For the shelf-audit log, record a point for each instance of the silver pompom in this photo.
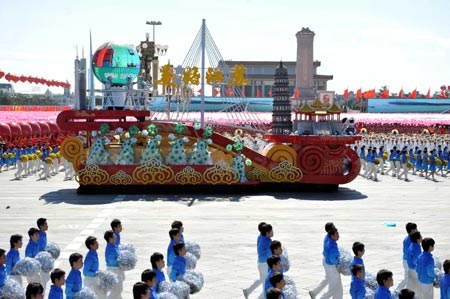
(27, 267)
(285, 263)
(194, 279)
(290, 289)
(179, 289)
(191, 261)
(345, 260)
(84, 293)
(370, 294)
(129, 247)
(54, 250)
(107, 280)
(127, 260)
(166, 295)
(46, 260)
(394, 294)
(194, 248)
(439, 274)
(370, 281)
(437, 263)
(12, 290)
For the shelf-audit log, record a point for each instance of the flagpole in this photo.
(202, 84)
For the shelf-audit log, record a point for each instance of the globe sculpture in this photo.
(117, 61)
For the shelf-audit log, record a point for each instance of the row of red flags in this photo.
(369, 94)
(31, 79)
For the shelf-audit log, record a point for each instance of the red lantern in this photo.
(8, 77)
(54, 129)
(23, 78)
(45, 128)
(2, 74)
(27, 131)
(36, 129)
(5, 132)
(16, 131)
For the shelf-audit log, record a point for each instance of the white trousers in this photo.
(333, 280)
(425, 290)
(262, 268)
(93, 284)
(402, 283)
(116, 292)
(412, 282)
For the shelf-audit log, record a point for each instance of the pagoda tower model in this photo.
(304, 70)
(281, 115)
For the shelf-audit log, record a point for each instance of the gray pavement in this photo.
(226, 226)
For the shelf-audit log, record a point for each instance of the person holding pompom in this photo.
(425, 269)
(444, 284)
(414, 251)
(140, 290)
(179, 264)
(111, 254)
(385, 281)
(357, 288)
(157, 261)
(13, 256)
(358, 250)
(73, 281)
(58, 278)
(274, 294)
(34, 291)
(149, 277)
(32, 250)
(2, 268)
(116, 226)
(179, 225)
(410, 227)
(175, 236)
(331, 260)
(42, 243)
(91, 266)
(277, 280)
(263, 248)
(274, 263)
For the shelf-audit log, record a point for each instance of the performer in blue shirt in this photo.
(357, 288)
(414, 251)
(116, 226)
(111, 254)
(444, 285)
(385, 281)
(91, 267)
(358, 251)
(74, 282)
(58, 279)
(175, 235)
(2, 268)
(13, 256)
(425, 269)
(157, 261)
(179, 264)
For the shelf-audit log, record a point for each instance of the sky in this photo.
(363, 43)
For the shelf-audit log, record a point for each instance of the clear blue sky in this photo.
(365, 43)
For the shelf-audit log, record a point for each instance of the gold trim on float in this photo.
(92, 175)
(188, 176)
(221, 173)
(153, 172)
(120, 178)
(285, 172)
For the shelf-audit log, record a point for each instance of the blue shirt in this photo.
(382, 292)
(55, 292)
(331, 253)
(117, 238)
(267, 284)
(32, 249)
(111, 254)
(445, 286)
(42, 242)
(263, 249)
(12, 257)
(178, 267)
(357, 260)
(2, 276)
(90, 264)
(159, 277)
(406, 243)
(414, 251)
(153, 293)
(425, 268)
(170, 253)
(73, 283)
(357, 289)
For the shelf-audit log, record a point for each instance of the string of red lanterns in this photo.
(31, 79)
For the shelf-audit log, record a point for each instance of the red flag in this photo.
(296, 93)
(216, 91)
(346, 93)
(400, 94)
(229, 92)
(428, 94)
(443, 87)
(384, 94)
(442, 95)
(243, 93)
(199, 91)
(413, 94)
(358, 95)
(2, 74)
(258, 93)
(270, 93)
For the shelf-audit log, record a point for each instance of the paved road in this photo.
(226, 226)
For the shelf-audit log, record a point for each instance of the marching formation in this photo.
(86, 279)
(421, 155)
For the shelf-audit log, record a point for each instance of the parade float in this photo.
(129, 150)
